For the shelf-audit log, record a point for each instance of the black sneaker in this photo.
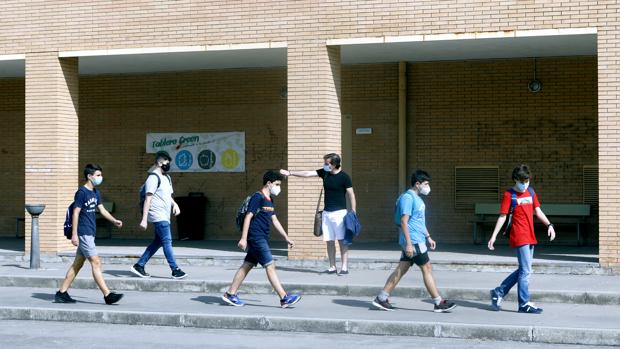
(138, 270)
(112, 298)
(383, 305)
(530, 308)
(63, 297)
(178, 274)
(444, 307)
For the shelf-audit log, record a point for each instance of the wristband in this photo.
(550, 225)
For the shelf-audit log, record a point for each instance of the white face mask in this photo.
(326, 168)
(522, 187)
(275, 190)
(425, 189)
(97, 181)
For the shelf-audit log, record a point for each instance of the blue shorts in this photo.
(259, 253)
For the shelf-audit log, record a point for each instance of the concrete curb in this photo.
(532, 334)
(253, 287)
(354, 263)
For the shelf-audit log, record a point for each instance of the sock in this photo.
(383, 296)
(437, 300)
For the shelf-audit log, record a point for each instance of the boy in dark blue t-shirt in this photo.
(84, 228)
(255, 241)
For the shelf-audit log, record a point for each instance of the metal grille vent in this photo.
(475, 184)
(590, 187)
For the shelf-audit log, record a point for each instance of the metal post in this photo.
(35, 211)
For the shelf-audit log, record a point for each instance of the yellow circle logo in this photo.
(230, 159)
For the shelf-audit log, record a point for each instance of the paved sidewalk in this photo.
(578, 289)
(560, 323)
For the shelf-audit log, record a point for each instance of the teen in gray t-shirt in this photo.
(161, 201)
(158, 204)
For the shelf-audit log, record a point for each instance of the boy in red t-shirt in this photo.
(524, 203)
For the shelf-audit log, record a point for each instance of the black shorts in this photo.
(419, 258)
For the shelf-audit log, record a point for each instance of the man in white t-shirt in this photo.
(158, 203)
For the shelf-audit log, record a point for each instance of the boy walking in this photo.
(158, 203)
(255, 241)
(520, 202)
(410, 217)
(84, 228)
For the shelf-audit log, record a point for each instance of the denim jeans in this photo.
(163, 237)
(521, 276)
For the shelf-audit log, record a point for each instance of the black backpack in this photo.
(243, 210)
(68, 226)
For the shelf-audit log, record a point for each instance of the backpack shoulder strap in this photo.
(158, 179)
(262, 199)
(513, 199)
(532, 193)
(413, 198)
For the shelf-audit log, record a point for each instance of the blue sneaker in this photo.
(530, 308)
(289, 300)
(233, 300)
(496, 300)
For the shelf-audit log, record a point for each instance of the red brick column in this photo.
(51, 143)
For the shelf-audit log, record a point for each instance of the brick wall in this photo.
(118, 110)
(44, 25)
(12, 150)
(471, 113)
(460, 113)
(89, 24)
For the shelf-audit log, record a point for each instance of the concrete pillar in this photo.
(314, 129)
(51, 144)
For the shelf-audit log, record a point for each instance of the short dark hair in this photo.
(271, 176)
(419, 176)
(521, 173)
(90, 169)
(334, 159)
(162, 156)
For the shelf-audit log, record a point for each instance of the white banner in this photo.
(201, 152)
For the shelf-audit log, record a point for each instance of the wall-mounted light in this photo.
(283, 92)
(534, 85)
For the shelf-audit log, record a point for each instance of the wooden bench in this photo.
(558, 214)
(109, 206)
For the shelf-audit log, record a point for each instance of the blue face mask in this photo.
(326, 168)
(97, 181)
(522, 187)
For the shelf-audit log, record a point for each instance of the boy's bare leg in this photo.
(395, 277)
(429, 280)
(74, 269)
(274, 280)
(95, 263)
(240, 275)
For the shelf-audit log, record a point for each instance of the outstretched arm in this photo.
(298, 173)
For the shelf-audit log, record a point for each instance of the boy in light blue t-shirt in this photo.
(413, 237)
